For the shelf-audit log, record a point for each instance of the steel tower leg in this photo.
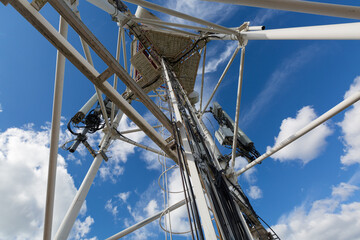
(55, 129)
(196, 182)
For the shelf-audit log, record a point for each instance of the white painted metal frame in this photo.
(325, 32)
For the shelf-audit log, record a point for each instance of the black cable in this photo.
(268, 226)
(193, 47)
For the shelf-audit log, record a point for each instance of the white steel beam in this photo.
(107, 7)
(124, 48)
(181, 15)
(55, 131)
(132, 142)
(202, 79)
(115, 83)
(136, 130)
(45, 28)
(221, 78)
(326, 9)
(344, 31)
(88, 57)
(329, 114)
(237, 112)
(146, 221)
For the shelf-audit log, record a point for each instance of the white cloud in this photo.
(151, 159)
(1, 109)
(249, 175)
(214, 62)
(275, 83)
(255, 192)
(144, 207)
(263, 15)
(328, 218)
(24, 155)
(344, 190)
(152, 208)
(200, 9)
(351, 128)
(83, 228)
(307, 147)
(124, 196)
(109, 206)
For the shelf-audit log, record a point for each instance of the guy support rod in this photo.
(202, 79)
(329, 114)
(221, 78)
(55, 129)
(127, 140)
(241, 70)
(327, 9)
(146, 221)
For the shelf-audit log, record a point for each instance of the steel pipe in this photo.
(237, 112)
(146, 221)
(107, 7)
(202, 79)
(137, 130)
(55, 133)
(221, 78)
(118, 50)
(345, 31)
(329, 114)
(127, 140)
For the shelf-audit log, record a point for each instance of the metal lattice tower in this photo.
(164, 63)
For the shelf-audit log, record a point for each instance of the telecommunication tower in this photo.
(165, 60)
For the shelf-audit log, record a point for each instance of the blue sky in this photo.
(307, 191)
